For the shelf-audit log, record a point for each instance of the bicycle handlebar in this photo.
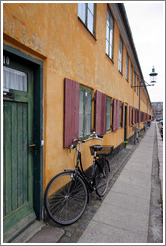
(92, 136)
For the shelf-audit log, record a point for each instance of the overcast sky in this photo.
(147, 23)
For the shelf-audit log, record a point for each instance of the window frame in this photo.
(137, 85)
(108, 41)
(120, 60)
(131, 76)
(110, 115)
(85, 89)
(127, 67)
(135, 81)
(87, 10)
(120, 114)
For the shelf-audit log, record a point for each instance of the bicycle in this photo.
(136, 135)
(67, 194)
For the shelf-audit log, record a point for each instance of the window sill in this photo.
(110, 58)
(87, 28)
(120, 73)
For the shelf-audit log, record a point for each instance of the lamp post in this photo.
(143, 83)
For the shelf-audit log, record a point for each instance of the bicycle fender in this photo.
(69, 170)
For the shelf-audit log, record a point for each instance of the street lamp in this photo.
(153, 76)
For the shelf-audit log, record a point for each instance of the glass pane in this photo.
(108, 18)
(81, 11)
(108, 114)
(107, 32)
(119, 114)
(87, 113)
(87, 124)
(14, 79)
(91, 7)
(107, 47)
(81, 114)
(111, 52)
(90, 22)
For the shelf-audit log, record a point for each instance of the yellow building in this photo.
(69, 69)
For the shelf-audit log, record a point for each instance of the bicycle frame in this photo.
(79, 170)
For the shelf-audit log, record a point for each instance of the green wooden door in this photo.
(125, 124)
(18, 210)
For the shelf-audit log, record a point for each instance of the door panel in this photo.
(125, 124)
(17, 155)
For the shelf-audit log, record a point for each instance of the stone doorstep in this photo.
(29, 232)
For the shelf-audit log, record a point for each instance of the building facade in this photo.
(157, 109)
(68, 71)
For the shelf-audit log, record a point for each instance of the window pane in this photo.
(90, 22)
(127, 61)
(131, 75)
(120, 54)
(111, 52)
(87, 113)
(81, 114)
(13, 79)
(107, 47)
(119, 114)
(107, 32)
(81, 11)
(91, 7)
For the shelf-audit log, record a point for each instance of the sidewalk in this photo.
(124, 214)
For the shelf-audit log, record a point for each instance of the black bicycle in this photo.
(67, 193)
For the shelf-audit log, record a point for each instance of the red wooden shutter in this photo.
(100, 113)
(123, 114)
(133, 120)
(71, 111)
(114, 115)
(130, 115)
(117, 114)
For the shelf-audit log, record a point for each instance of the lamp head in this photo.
(153, 75)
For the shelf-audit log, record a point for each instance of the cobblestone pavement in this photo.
(74, 231)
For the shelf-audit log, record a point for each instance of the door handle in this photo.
(32, 145)
(32, 148)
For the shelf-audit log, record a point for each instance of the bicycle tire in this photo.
(66, 197)
(101, 179)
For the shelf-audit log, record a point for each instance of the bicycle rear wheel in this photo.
(101, 178)
(66, 198)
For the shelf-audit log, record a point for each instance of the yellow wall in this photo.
(53, 33)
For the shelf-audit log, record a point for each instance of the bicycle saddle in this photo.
(97, 147)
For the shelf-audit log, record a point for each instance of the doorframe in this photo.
(38, 126)
(125, 123)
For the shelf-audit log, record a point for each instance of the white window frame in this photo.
(109, 34)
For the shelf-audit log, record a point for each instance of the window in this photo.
(127, 67)
(86, 12)
(85, 102)
(14, 79)
(120, 114)
(108, 114)
(77, 111)
(137, 85)
(134, 81)
(131, 76)
(120, 54)
(109, 34)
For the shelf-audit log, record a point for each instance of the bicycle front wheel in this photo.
(101, 178)
(66, 198)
